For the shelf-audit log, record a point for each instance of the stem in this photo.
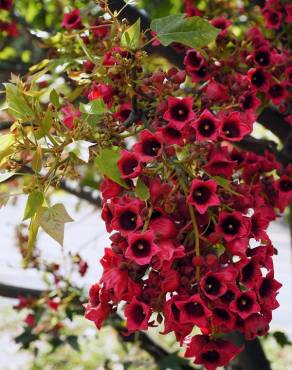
(195, 226)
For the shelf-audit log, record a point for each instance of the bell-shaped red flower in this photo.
(141, 247)
(203, 195)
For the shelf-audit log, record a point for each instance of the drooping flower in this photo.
(72, 20)
(203, 195)
(179, 111)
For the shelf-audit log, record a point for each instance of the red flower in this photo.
(211, 353)
(127, 217)
(98, 30)
(109, 189)
(249, 101)
(194, 60)
(149, 146)
(138, 315)
(288, 9)
(193, 310)
(203, 195)
(72, 20)
(9, 27)
(219, 163)
(223, 319)
(273, 18)
(232, 225)
(6, 4)
(206, 126)
(123, 112)
(267, 291)
(129, 165)
(216, 91)
(277, 93)
(30, 320)
(103, 91)
(70, 114)
(141, 247)
(172, 134)
(213, 284)
(245, 304)
(259, 78)
(179, 111)
(222, 23)
(232, 128)
(201, 74)
(97, 310)
(263, 57)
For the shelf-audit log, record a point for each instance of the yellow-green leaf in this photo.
(36, 162)
(131, 36)
(33, 204)
(142, 190)
(53, 220)
(17, 104)
(6, 142)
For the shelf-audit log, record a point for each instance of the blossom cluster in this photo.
(188, 216)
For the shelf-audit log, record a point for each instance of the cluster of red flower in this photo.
(196, 251)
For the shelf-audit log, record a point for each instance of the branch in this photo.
(258, 146)
(272, 120)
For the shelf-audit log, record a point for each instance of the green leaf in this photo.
(5, 175)
(33, 204)
(95, 106)
(142, 190)
(17, 103)
(80, 149)
(37, 158)
(54, 98)
(32, 236)
(6, 142)
(194, 32)
(73, 342)
(45, 125)
(131, 36)
(281, 338)
(107, 165)
(226, 185)
(53, 220)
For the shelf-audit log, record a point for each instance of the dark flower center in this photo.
(263, 58)
(247, 102)
(206, 127)
(286, 185)
(276, 91)
(129, 166)
(151, 147)
(141, 248)
(173, 132)
(201, 194)
(202, 72)
(274, 17)
(265, 288)
(222, 314)
(124, 113)
(231, 129)
(230, 225)
(248, 272)
(175, 311)
(258, 78)
(244, 303)
(210, 356)
(179, 112)
(73, 19)
(228, 296)
(138, 314)
(194, 59)
(194, 309)
(212, 285)
(128, 220)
